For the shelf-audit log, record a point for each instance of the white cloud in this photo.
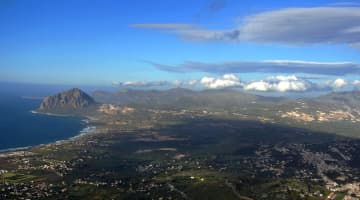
(279, 84)
(283, 78)
(227, 80)
(192, 82)
(262, 86)
(356, 82)
(337, 83)
(274, 83)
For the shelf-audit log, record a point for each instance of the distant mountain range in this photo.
(351, 98)
(76, 99)
(185, 98)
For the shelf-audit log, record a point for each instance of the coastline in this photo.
(85, 131)
(9, 150)
(51, 114)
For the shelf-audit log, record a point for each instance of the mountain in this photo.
(345, 99)
(183, 98)
(69, 101)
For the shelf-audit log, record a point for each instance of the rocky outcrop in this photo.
(70, 100)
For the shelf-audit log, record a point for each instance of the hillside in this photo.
(183, 98)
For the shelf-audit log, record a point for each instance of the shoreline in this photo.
(51, 114)
(83, 132)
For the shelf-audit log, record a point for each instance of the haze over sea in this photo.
(19, 127)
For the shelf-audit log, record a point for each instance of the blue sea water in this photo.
(19, 127)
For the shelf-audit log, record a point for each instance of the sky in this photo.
(254, 45)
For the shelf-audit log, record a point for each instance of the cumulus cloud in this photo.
(226, 81)
(319, 25)
(356, 83)
(289, 83)
(337, 83)
(267, 66)
(280, 84)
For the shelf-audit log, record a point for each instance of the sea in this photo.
(20, 127)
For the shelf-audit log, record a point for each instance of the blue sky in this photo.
(101, 42)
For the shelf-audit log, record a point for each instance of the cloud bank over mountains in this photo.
(292, 26)
(227, 80)
(281, 83)
(337, 83)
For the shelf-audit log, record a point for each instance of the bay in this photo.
(19, 127)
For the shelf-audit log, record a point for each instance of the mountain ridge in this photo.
(181, 95)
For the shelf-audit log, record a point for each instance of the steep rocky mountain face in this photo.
(70, 100)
